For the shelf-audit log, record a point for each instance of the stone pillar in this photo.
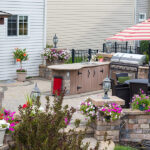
(107, 130)
(143, 72)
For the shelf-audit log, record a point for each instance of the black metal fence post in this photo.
(73, 55)
(130, 50)
(126, 47)
(103, 47)
(115, 47)
(89, 54)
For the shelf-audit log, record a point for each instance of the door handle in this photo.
(78, 88)
(79, 73)
(101, 84)
(102, 71)
(88, 73)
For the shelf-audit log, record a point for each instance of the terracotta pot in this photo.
(21, 76)
(2, 134)
(101, 59)
(8, 138)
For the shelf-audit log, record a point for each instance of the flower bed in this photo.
(52, 55)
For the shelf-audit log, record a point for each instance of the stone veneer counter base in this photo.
(80, 77)
(98, 100)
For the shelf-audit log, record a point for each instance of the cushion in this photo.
(123, 79)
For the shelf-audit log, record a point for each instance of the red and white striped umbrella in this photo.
(140, 31)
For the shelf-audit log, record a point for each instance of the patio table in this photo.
(144, 81)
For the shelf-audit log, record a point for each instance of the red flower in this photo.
(24, 106)
(1, 116)
(18, 60)
(24, 54)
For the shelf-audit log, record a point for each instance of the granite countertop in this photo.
(77, 66)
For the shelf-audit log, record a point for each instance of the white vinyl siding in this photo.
(143, 6)
(34, 42)
(86, 24)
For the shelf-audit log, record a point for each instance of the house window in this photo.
(12, 26)
(142, 17)
(23, 25)
(17, 25)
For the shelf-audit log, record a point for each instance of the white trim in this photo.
(144, 14)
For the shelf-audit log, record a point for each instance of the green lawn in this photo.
(118, 147)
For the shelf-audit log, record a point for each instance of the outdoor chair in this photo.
(135, 88)
(122, 91)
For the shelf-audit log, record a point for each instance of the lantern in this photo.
(106, 87)
(55, 41)
(35, 92)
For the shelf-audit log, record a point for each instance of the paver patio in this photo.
(15, 93)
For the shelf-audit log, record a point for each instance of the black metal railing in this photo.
(122, 48)
(82, 55)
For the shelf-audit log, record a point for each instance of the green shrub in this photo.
(144, 46)
(45, 130)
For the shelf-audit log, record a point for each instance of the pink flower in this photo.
(66, 121)
(11, 129)
(12, 124)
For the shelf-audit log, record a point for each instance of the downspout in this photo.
(45, 21)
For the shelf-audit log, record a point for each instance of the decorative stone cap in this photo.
(133, 112)
(98, 100)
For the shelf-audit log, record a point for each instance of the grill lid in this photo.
(126, 58)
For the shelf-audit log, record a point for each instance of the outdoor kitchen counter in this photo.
(77, 66)
(79, 77)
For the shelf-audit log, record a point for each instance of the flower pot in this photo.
(141, 108)
(101, 59)
(8, 138)
(2, 134)
(21, 76)
(48, 63)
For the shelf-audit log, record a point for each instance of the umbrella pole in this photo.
(149, 64)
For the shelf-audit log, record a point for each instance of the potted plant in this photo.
(141, 102)
(55, 56)
(110, 112)
(100, 58)
(10, 119)
(3, 126)
(20, 55)
(88, 109)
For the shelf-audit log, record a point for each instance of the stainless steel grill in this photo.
(123, 62)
